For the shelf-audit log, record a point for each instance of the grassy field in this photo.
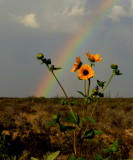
(24, 131)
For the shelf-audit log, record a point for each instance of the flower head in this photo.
(85, 72)
(77, 64)
(94, 58)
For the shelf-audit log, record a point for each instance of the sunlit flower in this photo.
(77, 64)
(85, 72)
(94, 58)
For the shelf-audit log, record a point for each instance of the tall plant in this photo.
(85, 72)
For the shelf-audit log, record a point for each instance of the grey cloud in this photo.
(125, 10)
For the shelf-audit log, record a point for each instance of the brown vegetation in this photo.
(23, 124)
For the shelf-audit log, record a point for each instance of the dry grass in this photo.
(23, 122)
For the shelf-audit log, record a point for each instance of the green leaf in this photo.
(72, 158)
(99, 157)
(100, 83)
(32, 158)
(108, 158)
(51, 122)
(114, 149)
(53, 155)
(64, 102)
(89, 134)
(81, 93)
(90, 120)
(57, 68)
(68, 119)
(72, 117)
(107, 150)
(115, 146)
(62, 128)
(70, 128)
(88, 100)
(80, 159)
(73, 103)
(97, 132)
(79, 119)
(51, 68)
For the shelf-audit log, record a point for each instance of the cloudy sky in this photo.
(28, 27)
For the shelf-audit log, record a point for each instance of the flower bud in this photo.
(101, 94)
(55, 117)
(114, 66)
(117, 72)
(40, 56)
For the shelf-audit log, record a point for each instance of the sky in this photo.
(30, 27)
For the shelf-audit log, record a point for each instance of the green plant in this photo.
(83, 126)
(52, 156)
(111, 150)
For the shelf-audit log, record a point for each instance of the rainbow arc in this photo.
(72, 47)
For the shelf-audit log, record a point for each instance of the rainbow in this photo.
(73, 46)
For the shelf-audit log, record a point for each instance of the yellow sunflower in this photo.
(94, 58)
(77, 65)
(85, 72)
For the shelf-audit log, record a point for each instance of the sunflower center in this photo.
(85, 72)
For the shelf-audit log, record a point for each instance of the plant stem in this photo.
(80, 133)
(88, 89)
(69, 106)
(68, 140)
(66, 137)
(94, 107)
(74, 144)
(85, 87)
(61, 86)
(113, 74)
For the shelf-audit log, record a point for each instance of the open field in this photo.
(24, 131)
